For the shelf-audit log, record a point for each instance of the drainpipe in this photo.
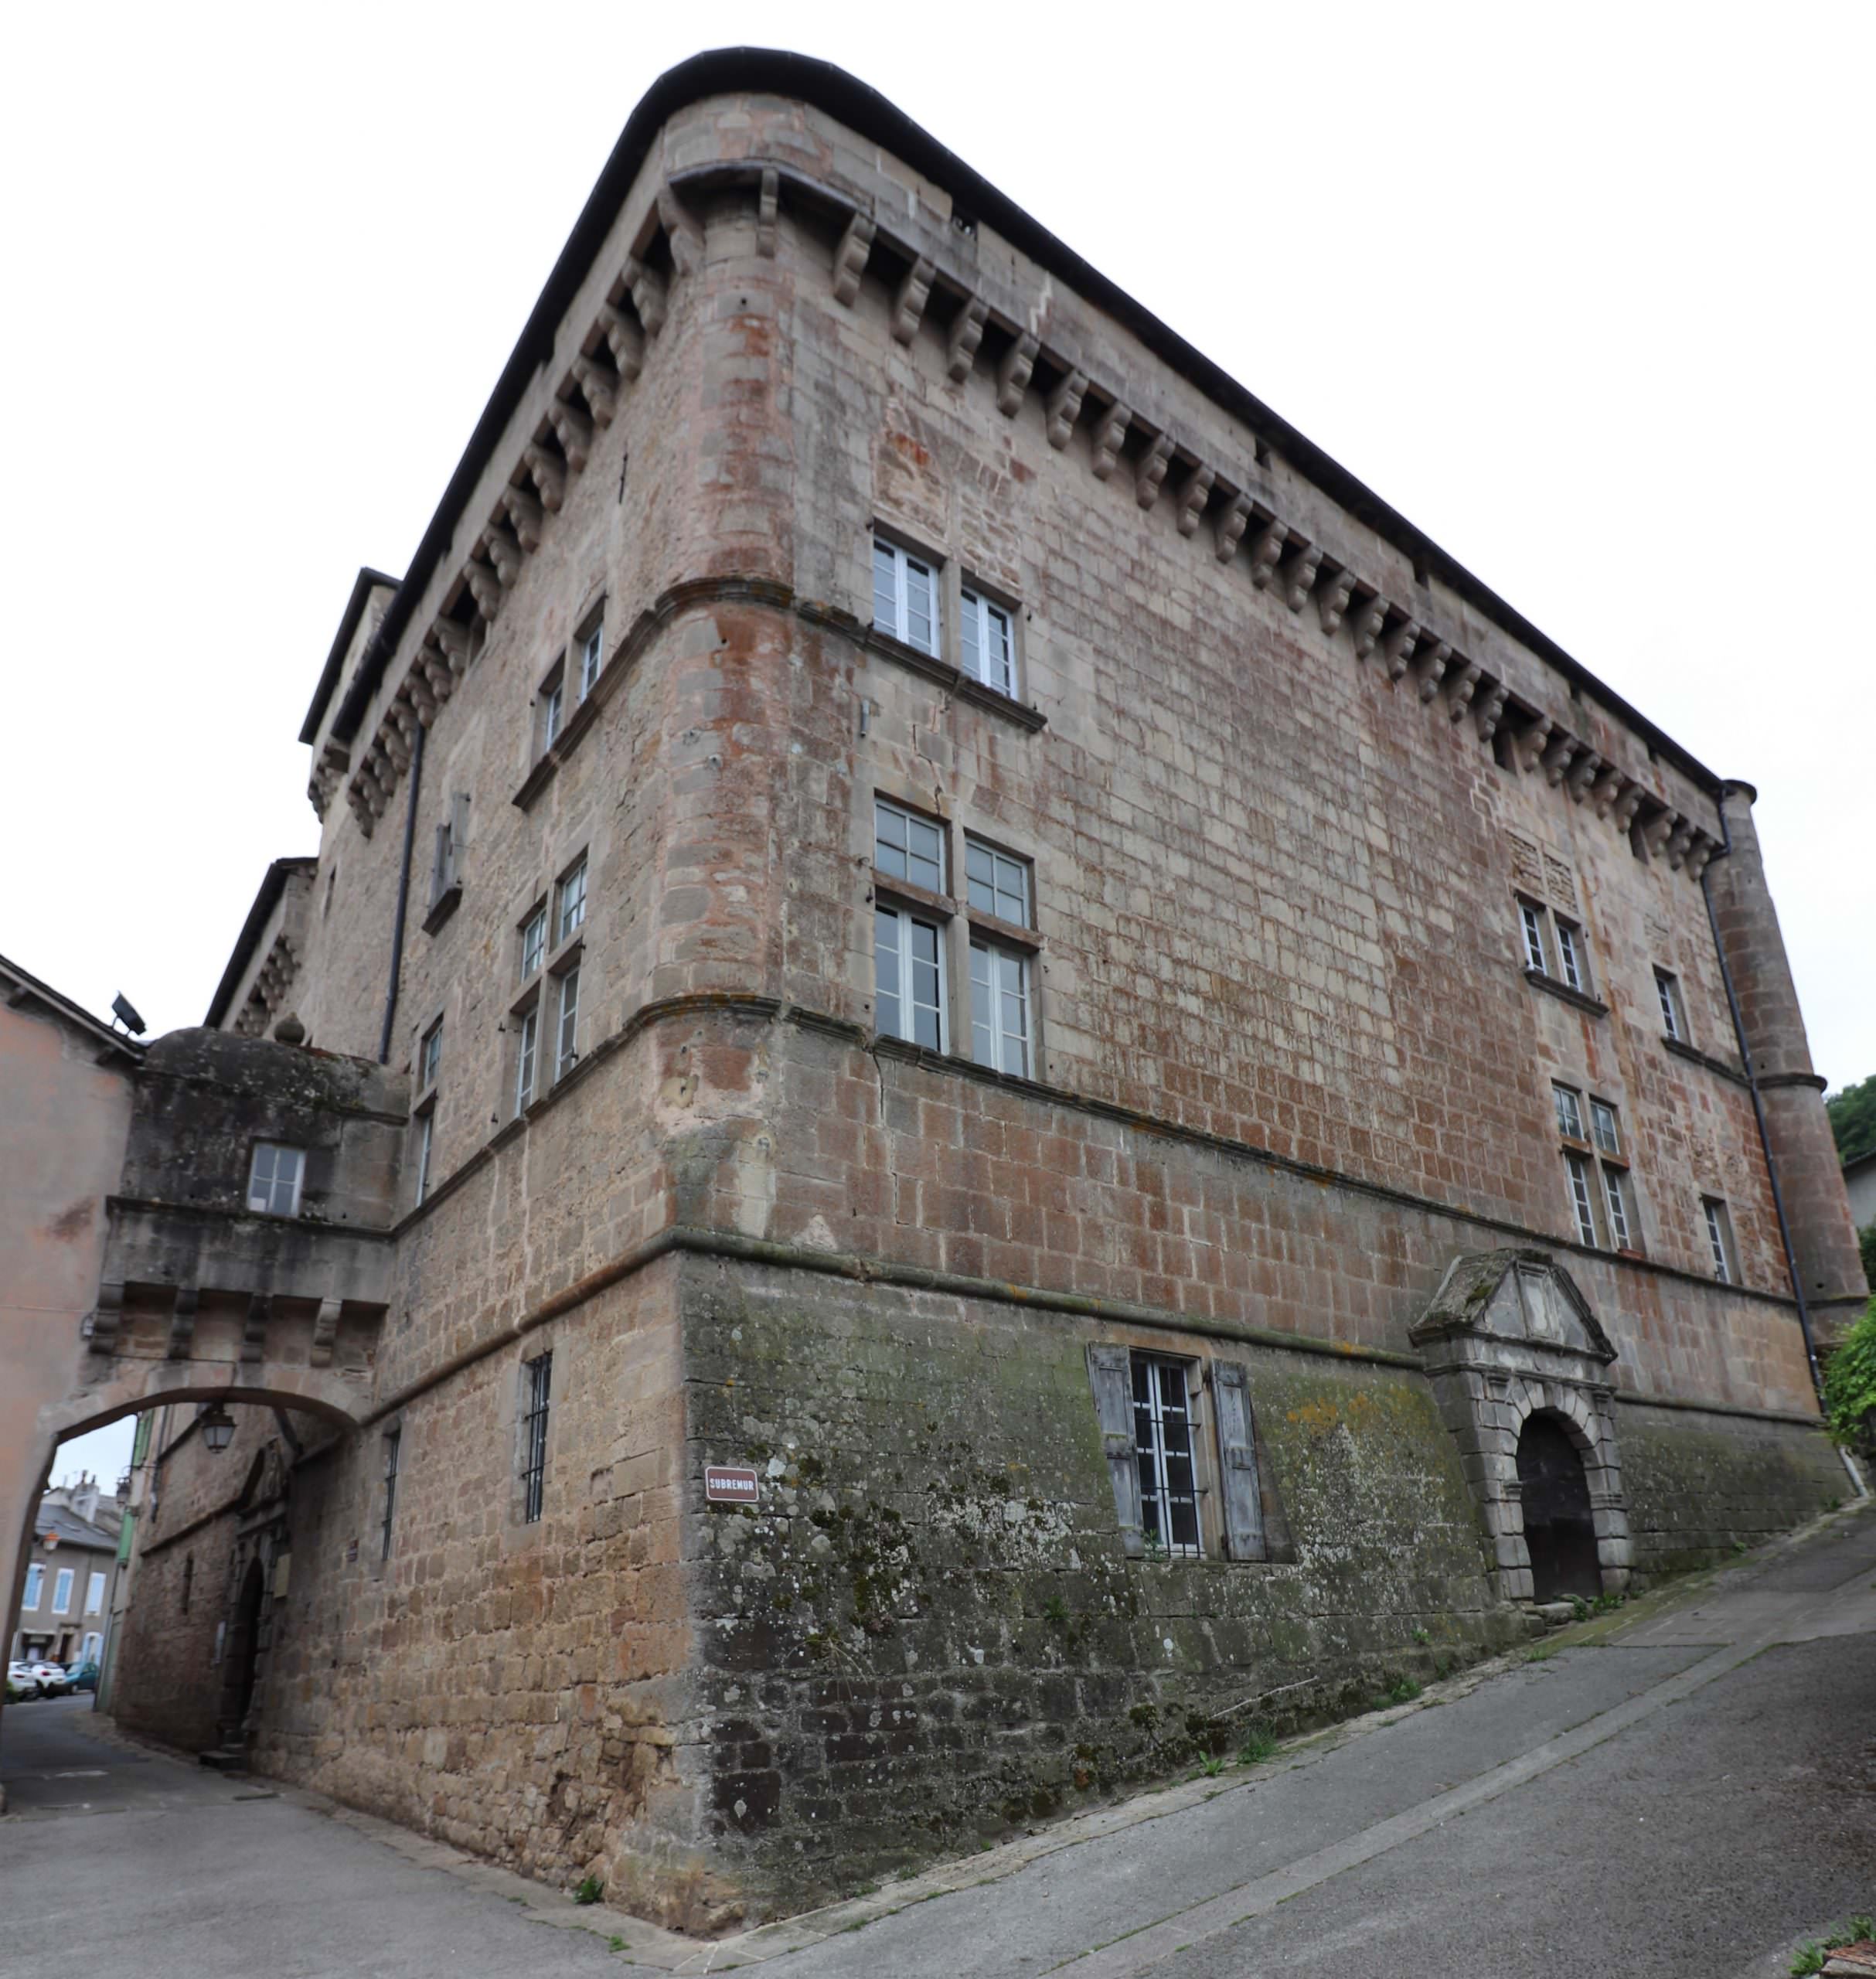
(403, 901)
(1758, 1109)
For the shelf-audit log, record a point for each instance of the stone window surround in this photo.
(1487, 1380)
(1531, 910)
(1599, 1160)
(958, 921)
(951, 576)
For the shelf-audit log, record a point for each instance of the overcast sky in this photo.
(1585, 294)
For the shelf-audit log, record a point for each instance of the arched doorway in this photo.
(1560, 1530)
(241, 1656)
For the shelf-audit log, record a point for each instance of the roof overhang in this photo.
(863, 110)
(363, 585)
(272, 887)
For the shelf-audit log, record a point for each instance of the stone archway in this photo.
(1560, 1534)
(1508, 1336)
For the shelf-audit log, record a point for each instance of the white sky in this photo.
(1585, 295)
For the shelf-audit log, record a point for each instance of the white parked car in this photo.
(50, 1678)
(20, 1676)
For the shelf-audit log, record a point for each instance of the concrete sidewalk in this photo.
(1689, 1786)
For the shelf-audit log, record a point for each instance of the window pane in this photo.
(970, 642)
(924, 985)
(983, 1031)
(998, 671)
(573, 901)
(1013, 889)
(886, 938)
(591, 649)
(1580, 1199)
(925, 854)
(1569, 1116)
(533, 942)
(1604, 1119)
(524, 1068)
(1567, 949)
(569, 1021)
(885, 588)
(1533, 935)
(1012, 975)
(920, 608)
(980, 876)
(551, 720)
(1618, 1209)
(888, 824)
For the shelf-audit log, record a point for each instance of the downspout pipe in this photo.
(403, 899)
(1758, 1109)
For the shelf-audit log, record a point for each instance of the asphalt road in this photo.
(1695, 1795)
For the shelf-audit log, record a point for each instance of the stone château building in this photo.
(918, 896)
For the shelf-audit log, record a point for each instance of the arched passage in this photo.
(1560, 1532)
(242, 1655)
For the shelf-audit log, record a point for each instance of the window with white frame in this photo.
(527, 1051)
(1162, 1436)
(533, 942)
(1572, 955)
(569, 910)
(1530, 924)
(94, 1594)
(1673, 1013)
(552, 702)
(567, 1025)
(1720, 1240)
(426, 1141)
(1595, 1167)
(274, 1175)
(986, 646)
(905, 847)
(62, 1591)
(591, 645)
(997, 883)
(909, 976)
(429, 1057)
(999, 1007)
(35, 1587)
(905, 598)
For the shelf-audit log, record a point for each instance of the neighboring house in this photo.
(1860, 1186)
(71, 1567)
(978, 1072)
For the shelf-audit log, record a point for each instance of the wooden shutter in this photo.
(1110, 1370)
(1238, 1487)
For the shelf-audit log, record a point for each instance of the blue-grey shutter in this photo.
(1110, 1370)
(1244, 1503)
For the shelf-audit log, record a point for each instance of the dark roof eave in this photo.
(362, 586)
(871, 116)
(271, 887)
(75, 1014)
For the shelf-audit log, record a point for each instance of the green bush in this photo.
(1849, 1381)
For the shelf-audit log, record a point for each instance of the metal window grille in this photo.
(573, 902)
(996, 883)
(566, 1044)
(904, 596)
(1569, 949)
(909, 980)
(533, 941)
(525, 1056)
(391, 1446)
(905, 847)
(984, 644)
(1163, 1435)
(534, 1436)
(999, 1009)
(1569, 1114)
(1531, 919)
(1581, 1200)
(275, 1177)
(1716, 1240)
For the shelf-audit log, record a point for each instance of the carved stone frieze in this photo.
(1368, 618)
(525, 512)
(1397, 644)
(1430, 668)
(504, 549)
(599, 388)
(1194, 492)
(851, 256)
(550, 473)
(965, 334)
(1110, 439)
(1152, 470)
(1063, 407)
(484, 587)
(1332, 597)
(574, 431)
(650, 296)
(1490, 710)
(625, 341)
(681, 231)
(1234, 518)
(1266, 547)
(1014, 373)
(1461, 684)
(1299, 575)
(1559, 753)
(909, 305)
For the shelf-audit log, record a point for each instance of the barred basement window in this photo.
(1163, 1431)
(391, 1444)
(538, 1377)
(1720, 1240)
(905, 596)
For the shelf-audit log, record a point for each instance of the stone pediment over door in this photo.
(1509, 1335)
